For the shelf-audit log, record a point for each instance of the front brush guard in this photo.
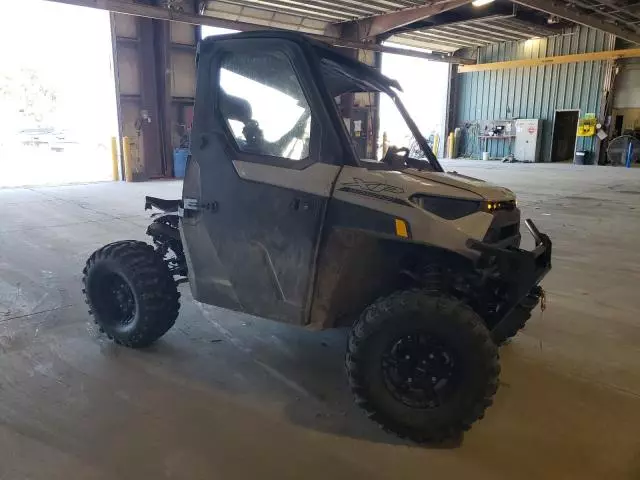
(521, 270)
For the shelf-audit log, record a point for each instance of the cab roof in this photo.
(342, 73)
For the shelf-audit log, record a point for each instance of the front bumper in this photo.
(521, 270)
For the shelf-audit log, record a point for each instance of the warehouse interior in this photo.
(541, 97)
(483, 103)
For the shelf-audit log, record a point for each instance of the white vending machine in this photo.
(528, 135)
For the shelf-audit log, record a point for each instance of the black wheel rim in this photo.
(419, 370)
(118, 304)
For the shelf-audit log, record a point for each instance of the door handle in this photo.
(194, 205)
(210, 207)
(298, 204)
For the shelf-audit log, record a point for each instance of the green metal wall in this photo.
(533, 92)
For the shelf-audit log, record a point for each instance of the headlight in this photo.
(447, 207)
(491, 207)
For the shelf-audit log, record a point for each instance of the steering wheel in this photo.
(394, 158)
(253, 136)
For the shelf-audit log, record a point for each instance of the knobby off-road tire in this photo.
(408, 339)
(131, 293)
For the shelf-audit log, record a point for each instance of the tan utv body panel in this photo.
(424, 226)
(375, 189)
(316, 179)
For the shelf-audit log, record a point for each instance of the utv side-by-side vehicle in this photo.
(281, 218)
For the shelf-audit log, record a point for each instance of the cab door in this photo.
(261, 173)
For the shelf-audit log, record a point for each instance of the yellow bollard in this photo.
(128, 161)
(114, 159)
(436, 144)
(453, 145)
(385, 143)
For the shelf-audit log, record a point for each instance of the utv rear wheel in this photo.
(424, 367)
(131, 293)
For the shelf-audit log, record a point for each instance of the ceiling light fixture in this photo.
(480, 3)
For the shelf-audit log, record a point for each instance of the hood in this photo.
(486, 190)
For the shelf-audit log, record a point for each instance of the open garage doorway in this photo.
(565, 127)
(57, 94)
(424, 93)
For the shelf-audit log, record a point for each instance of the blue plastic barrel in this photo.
(180, 156)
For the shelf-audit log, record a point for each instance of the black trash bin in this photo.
(581, 157)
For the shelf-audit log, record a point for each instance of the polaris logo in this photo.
(375, 187)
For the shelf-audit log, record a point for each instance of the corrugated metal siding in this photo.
(534, 92)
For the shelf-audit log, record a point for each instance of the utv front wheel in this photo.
(424, 367)
(131, 293)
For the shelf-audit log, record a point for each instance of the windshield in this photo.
(377, 122)
(394, 135)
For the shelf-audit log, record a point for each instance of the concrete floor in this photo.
(225, 396)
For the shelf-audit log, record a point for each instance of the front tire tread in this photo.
(373, 321)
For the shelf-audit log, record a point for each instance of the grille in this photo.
(505, 225)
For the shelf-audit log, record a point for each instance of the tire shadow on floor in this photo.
(275, 364)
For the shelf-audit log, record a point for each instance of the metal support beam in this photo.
(152, 133)
(163, 13)
(163, 49)
(537, 62)
(436, 57)
(439, 39)
(477, 33)
(460, 37)
(624, 12)
(498, 33)
(563, 10)
(371, 27)
(616, 19)
(515, 25)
